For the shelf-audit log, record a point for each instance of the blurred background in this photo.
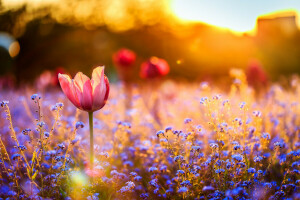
(201, 40)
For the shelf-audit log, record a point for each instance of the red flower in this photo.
(124, 58)
(154, 67)
(256, 75)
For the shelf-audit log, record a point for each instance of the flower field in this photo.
(201, 143)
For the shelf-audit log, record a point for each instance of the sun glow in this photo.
(237, 16)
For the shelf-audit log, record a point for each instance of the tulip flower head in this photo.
(154, 67)
(124, 58)
(86, 94)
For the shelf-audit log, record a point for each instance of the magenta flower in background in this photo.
(154, 67)
(124, 58)
(256, 75)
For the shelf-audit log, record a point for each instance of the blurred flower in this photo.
(124, 58)
(154, 67)
(169, 90)
(251, 170)
(7, 82)
(182, 190)
(95, 171)
(48, 78)
(4, 103)
(124, 61)
(79, 125)
(256, 75)
(44, 80)
(85, 94)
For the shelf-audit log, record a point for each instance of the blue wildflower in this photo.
(186, 183)
(257, 159)
(169, 128)
(161, 132)
(128, 163)
(4, 103)
(22, 147)
(170, 190)
(61, 146)
(182, 190)
(26, 131)
(251, 170)
(279, 144)
(187, 120)
(237, 157)
(237, 147)
(79, 125)
(214, 145)
(130, 184)
(220, 171)
(180, 172)
(208, 188)
(242, 105)
(266, 136)
(35, 96)
(46, 134)
(163, 168)
(153, 183)
(41, 124)
(178, 158)
(196, 148)
(144, 195)
(15, 156)
(152, 169)
(138, 178)
(133, 174)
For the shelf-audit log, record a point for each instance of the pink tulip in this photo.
(154, 67)
(85, 94)
(88, 95)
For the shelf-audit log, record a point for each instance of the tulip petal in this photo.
(100, 89)
(107, 88)
(84, 90)
(68, 88)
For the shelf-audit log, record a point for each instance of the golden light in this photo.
(237, 16)
(79, 179)
(179, 61)
(33, 3)
(14, 49)
(184, 13)
(9, 43)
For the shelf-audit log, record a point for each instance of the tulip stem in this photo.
(91, 140)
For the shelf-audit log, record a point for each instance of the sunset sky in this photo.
(236, 15)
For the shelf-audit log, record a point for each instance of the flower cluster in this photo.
(210, 145)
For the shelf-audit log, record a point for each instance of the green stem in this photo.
(91, 140)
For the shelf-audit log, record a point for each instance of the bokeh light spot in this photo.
(14, 49)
